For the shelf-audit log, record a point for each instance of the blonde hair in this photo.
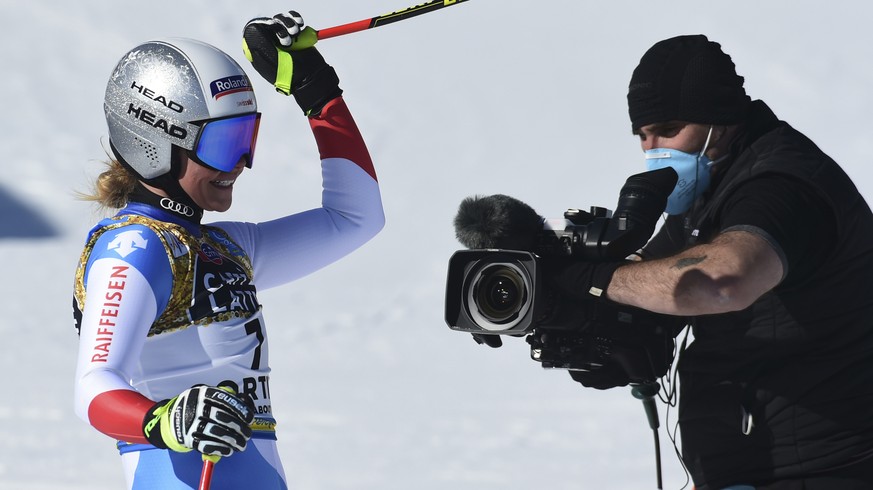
(113, 187)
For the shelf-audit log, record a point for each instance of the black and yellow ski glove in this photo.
(282, 51)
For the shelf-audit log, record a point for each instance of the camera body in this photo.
(497, 291)
(505, 292)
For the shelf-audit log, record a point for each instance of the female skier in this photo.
(172, 357)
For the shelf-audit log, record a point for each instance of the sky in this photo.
(371, 389)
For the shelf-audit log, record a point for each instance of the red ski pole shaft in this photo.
(381, 20)
(206, 472)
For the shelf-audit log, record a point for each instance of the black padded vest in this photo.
(784, 388)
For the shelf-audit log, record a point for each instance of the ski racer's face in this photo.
(210, 189)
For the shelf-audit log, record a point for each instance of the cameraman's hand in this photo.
(580, 279)
(211, 420)
(282, 51)
(609, 376)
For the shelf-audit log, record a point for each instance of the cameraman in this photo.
(768, 250)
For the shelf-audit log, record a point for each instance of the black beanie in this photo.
(686, 78)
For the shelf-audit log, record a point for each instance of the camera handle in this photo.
(647, 392)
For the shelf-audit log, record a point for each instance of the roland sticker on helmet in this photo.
(229, 85)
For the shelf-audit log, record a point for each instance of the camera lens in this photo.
(500, 293)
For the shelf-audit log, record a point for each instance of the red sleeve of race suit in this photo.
(338, 136)
(119, 414)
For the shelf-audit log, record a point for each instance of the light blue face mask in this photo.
(693, 170)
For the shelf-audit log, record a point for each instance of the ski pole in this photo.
(380, 20)
(206, 472)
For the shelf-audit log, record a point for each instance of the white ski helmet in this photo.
(159, 89)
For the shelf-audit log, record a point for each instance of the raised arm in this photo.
(282, 250)
(293, 246)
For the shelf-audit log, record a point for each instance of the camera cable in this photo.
(647, 392)
(670, 397)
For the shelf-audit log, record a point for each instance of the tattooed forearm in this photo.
(688, 262)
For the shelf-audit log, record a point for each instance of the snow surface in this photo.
(372, 390)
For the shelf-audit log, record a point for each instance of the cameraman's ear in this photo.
(489, 340)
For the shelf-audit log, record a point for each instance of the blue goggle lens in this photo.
(223, 142)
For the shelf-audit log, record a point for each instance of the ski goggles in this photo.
(222, 142)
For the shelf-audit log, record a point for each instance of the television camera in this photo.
(501, 284)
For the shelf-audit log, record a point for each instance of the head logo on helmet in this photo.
(160, 93)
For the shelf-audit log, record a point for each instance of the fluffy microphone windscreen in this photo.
(497, 221)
